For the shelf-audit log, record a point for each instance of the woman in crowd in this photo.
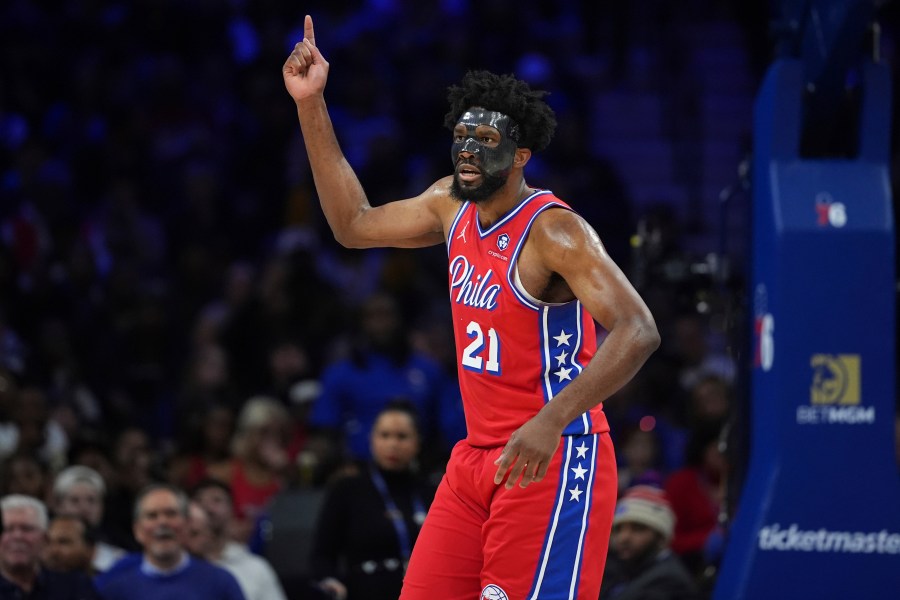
(206, 441)
(259, 465)
(370, 520)
(696, 493)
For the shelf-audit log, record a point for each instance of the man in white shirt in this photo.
(210, 513)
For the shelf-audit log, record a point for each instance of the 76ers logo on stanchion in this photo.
(493, 592)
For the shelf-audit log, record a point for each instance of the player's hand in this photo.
(528, 452)
(305, 71)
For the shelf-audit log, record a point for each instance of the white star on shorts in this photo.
(582, 450)
(579, 471)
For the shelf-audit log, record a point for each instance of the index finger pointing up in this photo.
(308, 31)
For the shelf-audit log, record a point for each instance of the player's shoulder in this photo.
(560, 235)
(440, 198)
(439, 191)
(559, 219)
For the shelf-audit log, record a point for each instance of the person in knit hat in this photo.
(640, 564)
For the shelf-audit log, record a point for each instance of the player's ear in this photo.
(521, 158)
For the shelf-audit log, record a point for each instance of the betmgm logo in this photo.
(834, 392)
(835, 379)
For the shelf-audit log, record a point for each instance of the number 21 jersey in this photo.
(514, 352)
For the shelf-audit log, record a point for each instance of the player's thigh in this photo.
(549, 540)
(446, 561)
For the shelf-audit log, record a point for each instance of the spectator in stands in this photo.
(133, 461)
(708, 406)
(260, 461)
(70, 545)
(709, 403)
(640, 565)
(91, 449)
(211, 513)
(33, 430)
(369, 521)
(640, 458)
(24, 473)
(698, 355)
(695, 493)
(206, 440)
(433, 336)
(21, 545)
(288, 366)
(79, 491)
(199, 534)
(165, 569)
(207, 381)
(382, 366)
(293, 381)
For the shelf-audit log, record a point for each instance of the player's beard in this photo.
(490, 184)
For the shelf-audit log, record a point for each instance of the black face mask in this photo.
(495, 163)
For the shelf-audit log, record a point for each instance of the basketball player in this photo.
(526, 505)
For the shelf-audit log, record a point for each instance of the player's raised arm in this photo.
(355, 223)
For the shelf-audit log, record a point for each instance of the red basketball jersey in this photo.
(514, 352)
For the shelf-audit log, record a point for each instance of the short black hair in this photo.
(403, 405)
(150, 488)
(510, 96)
(210, 482)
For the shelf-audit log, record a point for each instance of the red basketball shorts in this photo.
(547, 541)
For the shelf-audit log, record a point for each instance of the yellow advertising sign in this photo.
(835, 379)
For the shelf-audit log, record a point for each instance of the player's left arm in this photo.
(563, 244)
(569, 247)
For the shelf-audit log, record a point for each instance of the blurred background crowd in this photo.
(173, 307)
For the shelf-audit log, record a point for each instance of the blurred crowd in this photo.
(174, 310)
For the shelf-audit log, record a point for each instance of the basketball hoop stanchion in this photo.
(819, 512)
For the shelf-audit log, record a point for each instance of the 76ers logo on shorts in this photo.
(493, 592)
(503, 241)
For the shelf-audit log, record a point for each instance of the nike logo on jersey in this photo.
(473, 289)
